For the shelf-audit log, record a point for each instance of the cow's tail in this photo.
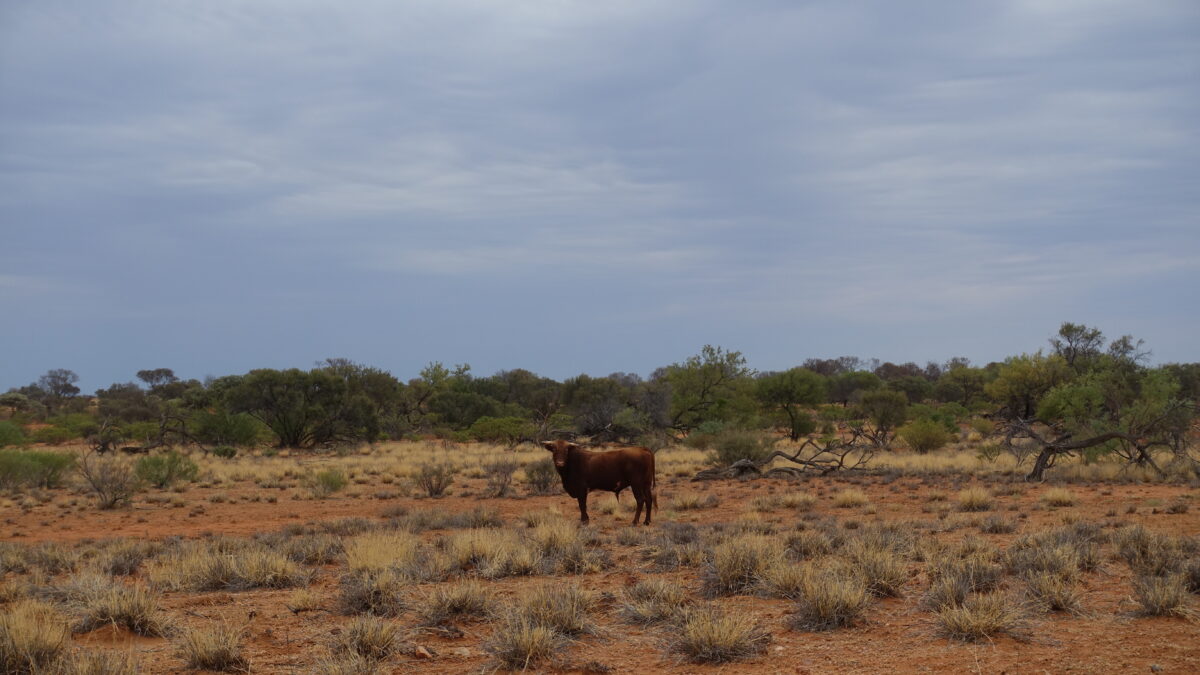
(653, 483)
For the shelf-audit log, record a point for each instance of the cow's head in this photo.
(560, 450)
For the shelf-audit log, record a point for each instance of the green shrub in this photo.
(53, 435)
(223, 428)
(327, 482)
(78, 424)
(924, 435)
(10, 434)
(734, 445)
(33, 468)
(166, 469)
(507, 431)
(225, 451)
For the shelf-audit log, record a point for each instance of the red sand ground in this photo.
(897, 637)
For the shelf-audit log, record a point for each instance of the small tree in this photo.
(885, 410)
(707, 386)
(785, 393)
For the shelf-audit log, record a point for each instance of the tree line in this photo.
(1083, 394)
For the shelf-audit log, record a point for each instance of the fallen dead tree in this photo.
(824, 456)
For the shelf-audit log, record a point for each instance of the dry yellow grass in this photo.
(217, 646)
(33, 635)
(850, 498)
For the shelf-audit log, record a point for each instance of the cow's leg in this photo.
(583, 517)
(640, 499)
(649, 502)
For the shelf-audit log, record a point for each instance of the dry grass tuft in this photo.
(975, 499)
(1054, 592)
(563, 609)
(885, 571)
(1149, 553)
(226, 565)
(305, 600)
(850, 498)
(345, 664)
(709, 635)
(831, 596)
(519, 642)
(104, 662)
(1163, 596)
(738, 564)
(33, 636)
(1058, 497)
(370, 637)
(800, 501)
(379, 592)
(653, 601)
(469, 600)
(983, 616)
(134, 608)
(690, 501)
(217, 646)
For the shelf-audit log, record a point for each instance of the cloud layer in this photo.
(578, 186)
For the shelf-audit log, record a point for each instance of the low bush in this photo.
(53, 435)
(540, 477)
(11, 434)
(499, 477)
(163, 471)
(924, 435)
(31, 468)
(225, 451)
(733, 445)
(111, 479)
(435, 479)
(324, 483)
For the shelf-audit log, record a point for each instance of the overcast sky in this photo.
(590, 186)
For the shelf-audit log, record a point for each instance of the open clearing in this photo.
(920, 514)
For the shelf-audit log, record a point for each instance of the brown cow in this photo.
(583, 471)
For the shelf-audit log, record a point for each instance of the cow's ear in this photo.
(549, 445)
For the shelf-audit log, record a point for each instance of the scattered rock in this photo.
(461, 652)
(422, 653)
